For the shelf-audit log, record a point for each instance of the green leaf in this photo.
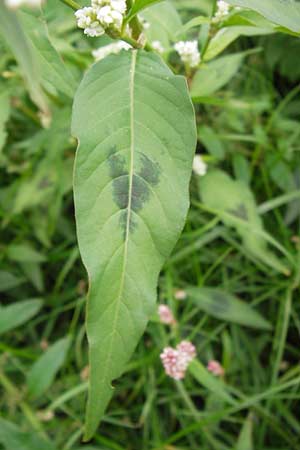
(245, 437)
(226, 36)
(209, 381)
(9, 281)
(285, 13)
(42, 373)
(234, 203)
(42, 67)
(164, 23)
(21, 47)
(212, 76)
(138, 6)
(195, 22)
(24, 253)
(16, 314)
(12, 438)
(209, 138)
(136, 129)
(52, 68)
(226, 307)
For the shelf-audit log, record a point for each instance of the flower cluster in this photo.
(115, 47)
(14, 4)
(188, 52)
(166, 315)
(176, 360)
(222, 11)
(199, 166)
(101, 16)
(215, 368)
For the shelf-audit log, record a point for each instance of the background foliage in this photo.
(241, 237)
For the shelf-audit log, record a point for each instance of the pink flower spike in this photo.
(187, 349)
(176, 361)
(170, 360)
(166, 315)
(215, 368)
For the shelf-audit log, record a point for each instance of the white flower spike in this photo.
(188, 52)
(87, 20)
(222, 11)
(115, 47)
(102, 14)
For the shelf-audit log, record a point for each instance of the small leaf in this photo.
(245, 437)
(42, 373)
(16, 314)
(213, 75)
(209, 381)
(24, 253)
(195, 22)
(12, 438)
(16, 39)
(209, 138)
(226, 36)
(285, 13)
(234, 203)
(9, 281)
(138, 6)
(52, 68)
(226, 307)
(164, 23)
(132, 173)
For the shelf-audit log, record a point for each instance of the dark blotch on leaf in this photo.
(117, 163)
(123, 222)
(149, 171)
(147, 176)
(121, 191)
(140, 193)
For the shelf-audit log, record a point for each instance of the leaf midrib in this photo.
(127, 230)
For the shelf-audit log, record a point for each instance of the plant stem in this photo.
(72, 4)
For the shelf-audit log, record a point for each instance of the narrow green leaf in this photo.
(285, 13)
(42, 373)
(52, 68)
(164, 23)
(209, 381)
(24, 253)
(226, 36)
(212, 76)
(195, 22)
(18, 42)
(227, 307)
(12, 438)
(138, 6)
(9, 281)
(233, 201)
(16, 314)
(245, 437)
(211, 141)
(136, 129)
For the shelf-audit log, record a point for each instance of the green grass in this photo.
(255, 123)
